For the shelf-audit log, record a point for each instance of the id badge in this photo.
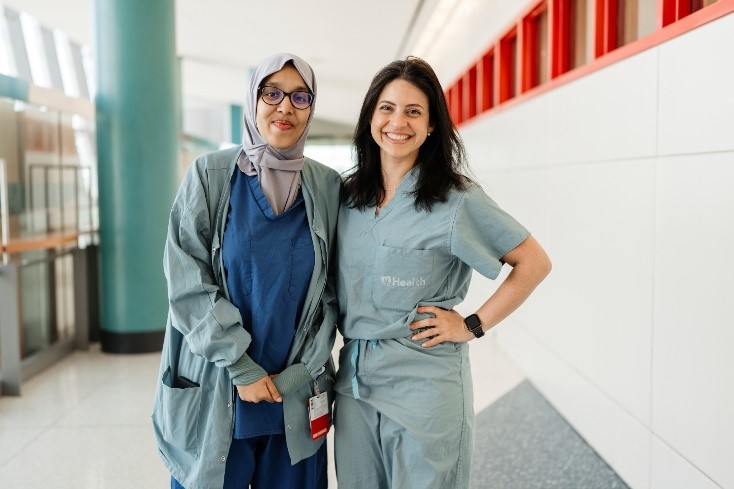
(318, 413)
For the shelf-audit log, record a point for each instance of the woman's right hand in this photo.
(261, 390)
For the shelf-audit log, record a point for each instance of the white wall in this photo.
(626, 176)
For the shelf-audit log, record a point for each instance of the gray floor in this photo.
(523, 443)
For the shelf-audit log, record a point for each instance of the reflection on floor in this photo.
(85, 424)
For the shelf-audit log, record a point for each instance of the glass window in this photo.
(674, 10)
(66, 64)
(7, 59)
(580, 45)
(17, 42)
(620, 22)
(84, 65)
(541, 46)
(36, 52)
(690, 6)
(535, 36)
(635, 19)
(52, 60)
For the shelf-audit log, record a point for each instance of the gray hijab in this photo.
(277, 170)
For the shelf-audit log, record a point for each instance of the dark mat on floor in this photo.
(523, 443)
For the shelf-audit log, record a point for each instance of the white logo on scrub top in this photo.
(391, 281)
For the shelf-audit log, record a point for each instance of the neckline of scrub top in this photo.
(408, 180)
(262, 201)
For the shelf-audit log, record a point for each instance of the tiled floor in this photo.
(85, 422)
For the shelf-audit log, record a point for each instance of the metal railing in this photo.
(17, 364)
(4, 210)
(14, 367)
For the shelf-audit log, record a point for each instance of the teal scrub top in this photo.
(389, 264)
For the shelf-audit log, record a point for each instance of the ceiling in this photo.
(346, 42)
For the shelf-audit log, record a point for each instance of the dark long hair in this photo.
(441, 158)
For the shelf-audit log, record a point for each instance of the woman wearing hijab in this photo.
(252, 311)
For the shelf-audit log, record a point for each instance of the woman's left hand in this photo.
(445, 326)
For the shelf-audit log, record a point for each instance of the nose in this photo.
(285, 106)
(398, 119)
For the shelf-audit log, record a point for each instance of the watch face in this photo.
(473, 322)
(474, 325)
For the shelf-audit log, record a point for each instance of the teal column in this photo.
(235, 115)
(138, 107)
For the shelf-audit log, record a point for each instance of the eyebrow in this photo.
(395, 105)
(299, 88)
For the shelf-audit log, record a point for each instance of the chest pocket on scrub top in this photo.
(402, 277)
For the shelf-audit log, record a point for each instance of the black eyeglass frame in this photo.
(286, 94)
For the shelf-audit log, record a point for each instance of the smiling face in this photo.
(282, 125)
(400, 123)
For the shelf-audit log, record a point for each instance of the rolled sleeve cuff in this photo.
(291, 378)
(245, 371)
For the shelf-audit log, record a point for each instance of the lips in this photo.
(283, 125)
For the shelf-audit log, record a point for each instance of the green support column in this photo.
(138, 107)
(235, 115)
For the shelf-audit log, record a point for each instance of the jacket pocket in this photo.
(177, 414)
(402, 277)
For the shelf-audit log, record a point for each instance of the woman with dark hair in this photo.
(411, 228)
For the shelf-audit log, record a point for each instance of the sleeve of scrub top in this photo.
(482, 233)
(211, 325)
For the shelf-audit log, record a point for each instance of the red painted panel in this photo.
(485, 79)
(560, 33)
(508, 66)
(469, 91)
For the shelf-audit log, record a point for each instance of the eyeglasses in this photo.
(273, 96)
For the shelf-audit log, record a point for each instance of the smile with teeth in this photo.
(396, 137)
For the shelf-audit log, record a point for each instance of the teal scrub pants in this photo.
(405, 420)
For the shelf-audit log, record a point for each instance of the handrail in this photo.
(38, 242)
(4, 210)
(44, 242)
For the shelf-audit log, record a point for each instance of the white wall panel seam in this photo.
(683, 457)
(582, 375)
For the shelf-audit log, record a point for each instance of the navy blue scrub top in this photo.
(268, 261)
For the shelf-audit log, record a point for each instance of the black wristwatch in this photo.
(474, 325)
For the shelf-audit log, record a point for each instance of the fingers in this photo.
(258, 391)
(423, 323)
(446, 325)
(436, 340)
(272, 391)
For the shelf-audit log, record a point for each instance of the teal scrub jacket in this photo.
(205, 340)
